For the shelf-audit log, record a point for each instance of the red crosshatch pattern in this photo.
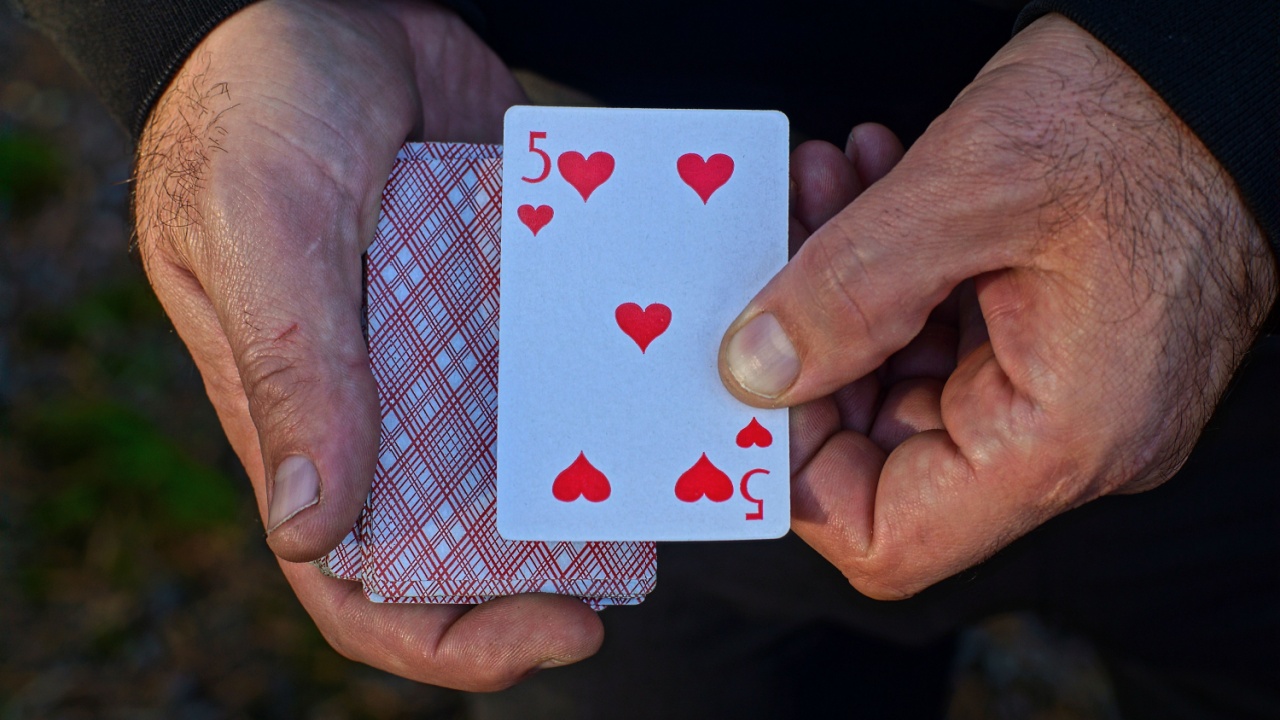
(429, 529)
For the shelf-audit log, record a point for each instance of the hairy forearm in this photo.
(1208, 61)
(1126, 182)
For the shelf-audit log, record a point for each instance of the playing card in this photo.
(631, 239)
(428, 532)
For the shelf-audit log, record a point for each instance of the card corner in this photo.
(514, 110)
(779, 117)
(503, 525)
(779, 532)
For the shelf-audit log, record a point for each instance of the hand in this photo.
(258, 187)
(1041, 304)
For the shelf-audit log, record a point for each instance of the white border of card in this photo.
(631, 239)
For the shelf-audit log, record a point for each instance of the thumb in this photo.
(253, 212)
(864, 284)
(286, 287)
(304, 364)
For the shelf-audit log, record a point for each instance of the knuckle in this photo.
(855, 302)
(493, 679)
(435, 661)
(879, 572)
(881, 591)
(840, 280)
(273, 374)
(337, 640)
(335, 621)
(880, 583)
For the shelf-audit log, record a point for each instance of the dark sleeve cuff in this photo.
(127, 49)
(1216, 63)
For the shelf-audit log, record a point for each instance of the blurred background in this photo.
(134, 578)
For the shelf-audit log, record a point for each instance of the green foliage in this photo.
(97, 452)
(30, 172)
(103, 457)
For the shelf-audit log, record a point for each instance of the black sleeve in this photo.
(1217, 65)
(127, 49)
(130, 49)
(1215, 62)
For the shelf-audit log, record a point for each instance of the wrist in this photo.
(1109, 160)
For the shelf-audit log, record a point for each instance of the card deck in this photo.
(635, 237)
(428, 532)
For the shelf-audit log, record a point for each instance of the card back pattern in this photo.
(428, 533)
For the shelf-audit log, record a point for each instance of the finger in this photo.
(797, 233)
(940, 509)
(972, 327)
(293, 325)
(873, 149)
(833, 496)
(811, 425)
(281, 207)
(934, 511)
(825, 182)
(858, 402)
(290, 380)
(910, 407)
(483, 648)
(930, 354)
(863, 285)
(487, 648)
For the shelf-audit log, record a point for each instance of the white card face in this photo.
(630, 240)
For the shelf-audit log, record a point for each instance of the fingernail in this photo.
(548, 664)
(762, 358)
(297, 488)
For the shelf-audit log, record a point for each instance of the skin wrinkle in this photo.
(1068, 164)
(237, 267)
(448, 47)
(1028, 374)
(836, 283)
(330, 164)
(271, 382)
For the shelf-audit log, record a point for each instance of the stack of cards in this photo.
(630, 241)
(428, 532)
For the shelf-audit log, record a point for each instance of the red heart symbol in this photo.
(704, 176)
(643, 325)
(535, 218)
(581, 479)
(754, 434)
(704, 479)
(585, 174)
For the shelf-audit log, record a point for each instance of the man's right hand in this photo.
(259, 183)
